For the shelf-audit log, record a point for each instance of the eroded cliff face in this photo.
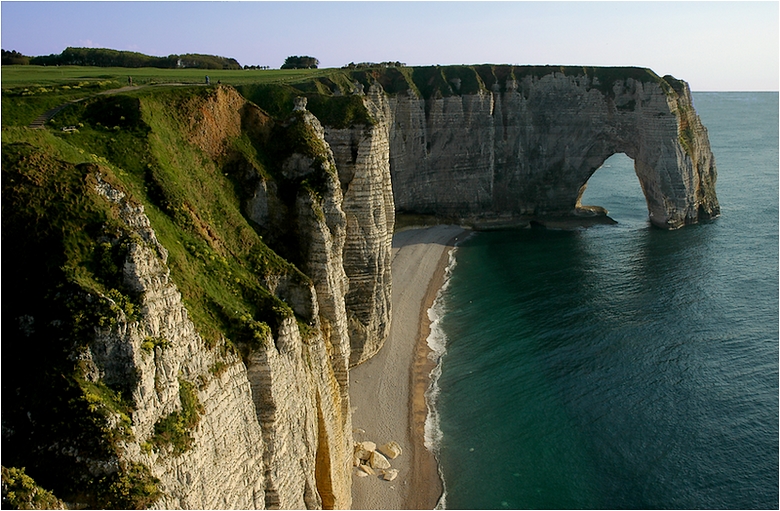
(273, 432)
(362, 156)
(224, 467)
(183, 421)
(525, 146)
(299, 376)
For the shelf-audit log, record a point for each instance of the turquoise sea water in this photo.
(622, 366)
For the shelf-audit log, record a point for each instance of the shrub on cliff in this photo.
(21, 492)
(176, 429)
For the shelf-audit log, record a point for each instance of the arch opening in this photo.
(615, 188)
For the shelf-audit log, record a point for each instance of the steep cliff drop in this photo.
(362, 155)
(498, 145)
(184, 363)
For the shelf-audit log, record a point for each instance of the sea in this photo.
(620, 366)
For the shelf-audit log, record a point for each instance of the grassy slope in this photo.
(215, 255)
(69, 246)
(28, 91)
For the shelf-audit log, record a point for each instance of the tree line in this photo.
(103, 57)
(14, 57)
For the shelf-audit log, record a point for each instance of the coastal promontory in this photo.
(198, 267)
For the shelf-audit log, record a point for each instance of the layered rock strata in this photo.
(362, 155)
(321, 223)
(490, 148)
(275, 428)
(224, 467)
(299, 379)
(527, 145)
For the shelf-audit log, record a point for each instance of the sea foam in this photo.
(437, 342)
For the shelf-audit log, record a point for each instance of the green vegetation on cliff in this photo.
(69, 250)
(176, 428)
(68, 247)
(21, 492)
(446, 81)
(335, 110)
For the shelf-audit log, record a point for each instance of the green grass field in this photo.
(29, 91)
(14, 77)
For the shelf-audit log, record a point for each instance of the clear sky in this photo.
(711, 45)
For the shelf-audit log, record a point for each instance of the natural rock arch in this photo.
(618, 165)
(525, 148)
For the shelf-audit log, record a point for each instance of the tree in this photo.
(14, 57)
(297, 62)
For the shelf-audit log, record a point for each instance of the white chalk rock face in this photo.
(276, 428)
(362, 156)
(527, 146)
(224, 467)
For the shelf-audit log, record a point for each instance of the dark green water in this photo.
(623, 366)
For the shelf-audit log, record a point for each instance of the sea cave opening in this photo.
(615, 187)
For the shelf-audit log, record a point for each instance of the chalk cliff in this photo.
(200, 284)
(253, 415)
(298, 377)
(492, 145)
(224, 466)
(362, 155)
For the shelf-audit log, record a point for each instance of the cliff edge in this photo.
(493, 145)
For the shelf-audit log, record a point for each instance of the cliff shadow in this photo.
(443, 234)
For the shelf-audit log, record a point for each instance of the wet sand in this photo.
(387, 391)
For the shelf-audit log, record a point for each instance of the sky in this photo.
(714, 46)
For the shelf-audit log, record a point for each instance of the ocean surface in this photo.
(621, 366)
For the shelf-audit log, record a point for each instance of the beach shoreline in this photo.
(387, 392)
(428, 487)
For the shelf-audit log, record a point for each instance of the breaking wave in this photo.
(437, 342)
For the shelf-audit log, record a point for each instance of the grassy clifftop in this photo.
(431, 81)
(29, 90)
